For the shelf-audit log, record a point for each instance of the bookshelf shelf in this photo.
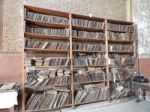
(88, 39)
(43, 110)
(45, 50)
(121, 41)
(87, 29)
(42, 36)
(46, 87)
(120, 52)
(119, 31)
(90, 82)
(80, 31)
(81, 51)
(45, 24)
(76, 66)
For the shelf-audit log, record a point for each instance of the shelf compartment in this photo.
(46, 24)
(45, 50)
(90, 82)
(87, 29)
(42, 36)
(121, 41)
(88, 39)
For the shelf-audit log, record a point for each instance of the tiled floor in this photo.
(115, 106)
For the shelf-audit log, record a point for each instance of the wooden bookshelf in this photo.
(70, 53)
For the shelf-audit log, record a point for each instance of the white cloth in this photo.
(8, 99)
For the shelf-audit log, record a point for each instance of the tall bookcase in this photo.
(67, 58)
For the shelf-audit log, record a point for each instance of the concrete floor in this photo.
(123, 105)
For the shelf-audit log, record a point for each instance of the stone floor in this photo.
(123, 105)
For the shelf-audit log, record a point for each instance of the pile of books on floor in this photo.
(85, 34)
(88, 47)
(49, 99)
(54, 45)
(90, 93)
(47, 77)
(46, 18)
(9, 87)
(120, 36)
(88, 23)
(120, 27)
(47, 31)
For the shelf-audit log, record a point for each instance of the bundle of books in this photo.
(121, 48)
(88, 61)
(49, 99)
(31, 43)
(85, 34)
(46, 18)
(120, 27)
(88, 23)
(47, 77)
(47, 31)
(88, 47)
(120, 36)
(91, 93)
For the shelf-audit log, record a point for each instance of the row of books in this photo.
(46, 18)
(85, 34)
(48, 99)
(88, 23)
(120, 36)
(117, 56)
(91, 93)
(122, 89)
(120, 27)
(88, 70)
(47, 81)
(47, 31)
(87, 61)
(120, 48)
(89, 78)
(31, 43)
(129, 61)
(49, 61)
(88, 47)
(64, 61)
(122, 73)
